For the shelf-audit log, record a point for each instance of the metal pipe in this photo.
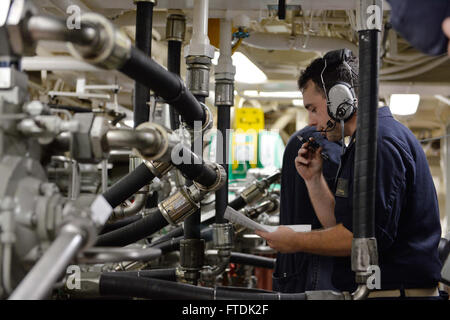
(38, 282)
(55, 29)
(147, 141)
(144, 18)
(138, 203)
(287, 42)
(104, 175)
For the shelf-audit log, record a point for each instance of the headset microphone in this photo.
(330, 125)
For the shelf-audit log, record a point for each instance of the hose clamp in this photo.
(158, 168)
(221, 177)
(178, 206)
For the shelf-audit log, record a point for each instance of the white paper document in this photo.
(236, 217)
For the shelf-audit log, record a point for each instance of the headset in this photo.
(341, 98)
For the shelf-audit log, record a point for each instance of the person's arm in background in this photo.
(335, 241)
(446, 29)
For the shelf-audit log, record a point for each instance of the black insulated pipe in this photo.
(156, 289)
(128, 185)
(366, 137)
(173, 65)
(121, 223)
(134, 231)
(252, 260)
(144, 19)
(223, 124)
(281, 9)
(194, 168)
(165, 84)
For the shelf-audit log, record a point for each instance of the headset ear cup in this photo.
(341, 102)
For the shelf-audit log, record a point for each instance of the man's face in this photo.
(316, 104)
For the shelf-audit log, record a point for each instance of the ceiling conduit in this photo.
(288, 42)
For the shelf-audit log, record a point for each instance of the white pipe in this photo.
(37, 63)
(199, 44)
(288, 42)
(225, 63)
(200, 27)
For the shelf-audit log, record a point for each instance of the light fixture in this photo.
(272, 94)
(246, 71)
(404, 104)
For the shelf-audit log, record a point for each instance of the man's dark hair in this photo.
(332, 74)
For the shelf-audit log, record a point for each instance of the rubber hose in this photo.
(173, 65)
(252, 260)
(156, 289)
(128, 185)
(126, 286)
(165, 84)
(134, 231)
(121, 223)
(223, 124)
(144, 19)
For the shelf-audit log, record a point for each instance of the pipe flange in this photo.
(164, 140)
(221, 176)
(158, 168)
(175, 27)
(115, 46)
(223, 236)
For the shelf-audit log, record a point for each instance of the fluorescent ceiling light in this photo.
(273, 94)
(246, 71)
(404, 104)
(297, 102)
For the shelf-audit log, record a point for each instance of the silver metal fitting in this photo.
(158, 168)
(178, 206)
(97, 134)
(223, 236)
(364, 255)
(168, 141)
(113, 49)
(221, 177)
(253, 193)
(224, 93)
(16, 21)
(175, 27)
(197, 76)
